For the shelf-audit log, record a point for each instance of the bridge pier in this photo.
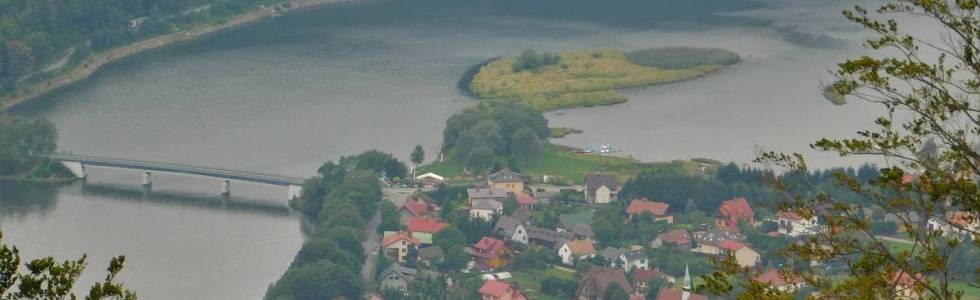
(146, 179)
(294, 191)
(226, 188)
(76, 168)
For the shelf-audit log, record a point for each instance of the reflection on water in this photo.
(18, 199)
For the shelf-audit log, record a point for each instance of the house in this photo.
(601, 188)
(679, 238)
(507, 180)
(499, 290)
(633, 259)
(525, 200)
(574, 250)
(431, 256)
(490, 253)
(907, 286)
(568, 222)
(784, 282)
(611, 255)
(396, 245)
(486, 209)
(709, 242)
(522, 215)
(547, 237)
(429, 180)
(732, 211)
(745, 256)
(511, 229)
(955, 223)
(656, 209)
(423, 228)
(595, 283)
(794, 225)
(641, 278)
(412, 208)
(683, 294)
(481, 193)
(396, 277)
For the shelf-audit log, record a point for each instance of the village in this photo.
(525, 256)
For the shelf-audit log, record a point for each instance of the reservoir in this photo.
(285, 95)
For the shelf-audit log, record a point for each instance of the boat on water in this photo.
(601, 149)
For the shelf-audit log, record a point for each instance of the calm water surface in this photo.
(285, 95)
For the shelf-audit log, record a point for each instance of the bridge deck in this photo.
(178, 168)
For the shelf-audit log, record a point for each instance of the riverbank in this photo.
(94, 63)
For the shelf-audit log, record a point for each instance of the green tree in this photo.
(323, 279)
(526, 145)
(510, 204)
(478, 160)
(456, 259)
(390, 219)
(48, 278)
(417, 158)
(448, 238)
(923, 96)
(653, 287)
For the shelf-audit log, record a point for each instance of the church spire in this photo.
(687, 283)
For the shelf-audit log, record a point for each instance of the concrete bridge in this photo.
(76, 163)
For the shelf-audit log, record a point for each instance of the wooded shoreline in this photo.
(92, 64)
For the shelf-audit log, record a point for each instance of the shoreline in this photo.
(94, 63)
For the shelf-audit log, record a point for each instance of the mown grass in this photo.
(580, 79)
(562, 162)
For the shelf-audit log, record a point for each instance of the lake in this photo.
(285, 95)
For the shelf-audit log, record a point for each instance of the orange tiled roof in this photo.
(639, 206)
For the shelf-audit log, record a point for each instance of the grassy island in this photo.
(588, 78)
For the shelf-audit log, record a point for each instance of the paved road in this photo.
(370, 245)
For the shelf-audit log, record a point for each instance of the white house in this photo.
(794, 225)
(601, 188)
(634, 259)
(486, 209)
(955, 223)
(512, 229)
(572, 251)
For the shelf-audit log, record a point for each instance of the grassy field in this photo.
(530, 281)
(572, 167)
(579, 79)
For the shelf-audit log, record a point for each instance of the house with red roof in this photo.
(781, 281)
(907, 286)
(733, 210)
(499, 290)
(745, 256)
(490, 253)
(658, 210)
(414, 208)
(525, 200)
(396, 245)
(423, 228)
(679, 238)
(642, 277)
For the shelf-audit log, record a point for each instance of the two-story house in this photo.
(507, 180)
(499, 290)
(601, 188)
(657, 210)
(575, 250)
(510, 228)
(732, 211)
(397, 244)
(490, 253)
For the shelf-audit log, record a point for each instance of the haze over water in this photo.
(285, 95)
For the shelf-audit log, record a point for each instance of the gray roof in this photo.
(431, 252)
(507, 225)
(612, 254)
(429, 274)
(488, 205)
(635, 255)
(506, 176)
(548, 235)
(402, 271)
(715, 237)
(594, 181)
(583, 230)
(522, 215)
(486, 193)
